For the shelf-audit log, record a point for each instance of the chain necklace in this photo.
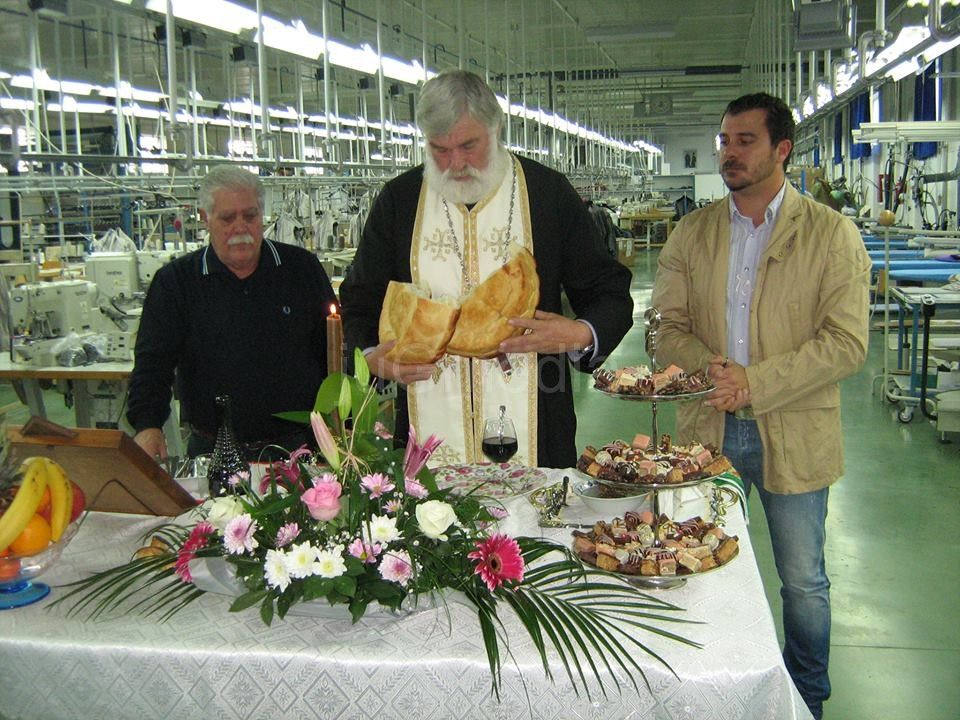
(504, 245)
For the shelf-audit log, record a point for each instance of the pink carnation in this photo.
(415, 489)
(396, 567)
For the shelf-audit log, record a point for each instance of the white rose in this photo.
(222, 510)
(435, 517)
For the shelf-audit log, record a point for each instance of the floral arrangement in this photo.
(366, 523)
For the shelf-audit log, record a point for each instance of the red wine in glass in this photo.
(499, 449)
(499, 438)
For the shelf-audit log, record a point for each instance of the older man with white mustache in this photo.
(243, 317)
(447, 226)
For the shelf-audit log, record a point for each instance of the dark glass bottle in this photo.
(227, 458)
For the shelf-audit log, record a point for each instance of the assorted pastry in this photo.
(628, 546)
(637, 463)
(640, 380)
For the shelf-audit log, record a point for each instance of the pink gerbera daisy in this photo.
(199, 538)
(396, 567)
(498, 559)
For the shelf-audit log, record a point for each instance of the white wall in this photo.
(677, 146)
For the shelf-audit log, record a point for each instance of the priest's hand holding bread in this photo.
(498, 316)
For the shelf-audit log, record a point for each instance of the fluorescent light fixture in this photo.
(629, 33)
(219, 14)
(128, 92)
(908, 131)
(363, 59)
(847, 76)
(410, 73)
(88, 108)
(907, 40)
(293, 38)
(797, 116)
(939, 48)
(808, 107)
(900, 71)
(16, 104)
(824, 94)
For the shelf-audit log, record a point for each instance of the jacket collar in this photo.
(785, 231)
(210, 262)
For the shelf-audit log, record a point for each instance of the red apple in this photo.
(79, 502)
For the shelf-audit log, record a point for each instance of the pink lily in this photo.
(328, 446)
(286, 473)
(416, 456)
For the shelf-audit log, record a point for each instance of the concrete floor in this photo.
(893, 539)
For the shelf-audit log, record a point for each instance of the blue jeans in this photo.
(797, 533)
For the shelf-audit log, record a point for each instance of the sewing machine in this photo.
(149, 261)
(43, 315)
(114, 274)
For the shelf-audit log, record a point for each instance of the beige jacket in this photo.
(808, 330)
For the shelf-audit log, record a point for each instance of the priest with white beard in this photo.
(447, 225)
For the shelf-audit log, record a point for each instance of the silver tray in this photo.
(665, 582)
(639, 488)
(656, 398)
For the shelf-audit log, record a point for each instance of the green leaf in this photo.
(248, 600)
(302, 417)
(346, 585)
(360, 368)
(345, 400)
(328, 394)
(266, 611)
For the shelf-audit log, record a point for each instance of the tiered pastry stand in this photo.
(651, 320)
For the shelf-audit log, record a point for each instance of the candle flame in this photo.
(333, 308)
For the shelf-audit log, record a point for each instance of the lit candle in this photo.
(334, 341)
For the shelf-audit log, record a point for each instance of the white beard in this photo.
(481, 183)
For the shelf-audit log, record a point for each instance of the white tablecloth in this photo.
(209, 663)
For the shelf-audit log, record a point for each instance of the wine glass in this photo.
(499, 438)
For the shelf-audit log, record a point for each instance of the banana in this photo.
(61, 498)
(25, 502)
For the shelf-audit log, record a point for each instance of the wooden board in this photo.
(115, 473)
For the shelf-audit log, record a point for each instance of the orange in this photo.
(44, 500)
(9, 569)
(34, 538)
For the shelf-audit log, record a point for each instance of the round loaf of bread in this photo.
(511, 291)
(421, 326)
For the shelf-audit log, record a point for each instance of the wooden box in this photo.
(115, 473)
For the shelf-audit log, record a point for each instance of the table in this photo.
(938, 274)
(910, 300)
(209, 663)
(85, 379)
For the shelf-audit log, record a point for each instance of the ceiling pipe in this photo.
(877, 37)
(937, 31)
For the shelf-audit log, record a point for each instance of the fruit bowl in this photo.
(18, 571)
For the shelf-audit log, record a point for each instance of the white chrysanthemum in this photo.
(383, 530)
(330, 562)
(275, 570)
(301, 560)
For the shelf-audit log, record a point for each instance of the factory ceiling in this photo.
(632, 69)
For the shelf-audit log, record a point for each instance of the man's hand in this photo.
(153, 442)
(548, 333)
(389, 370)
(730, 379)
